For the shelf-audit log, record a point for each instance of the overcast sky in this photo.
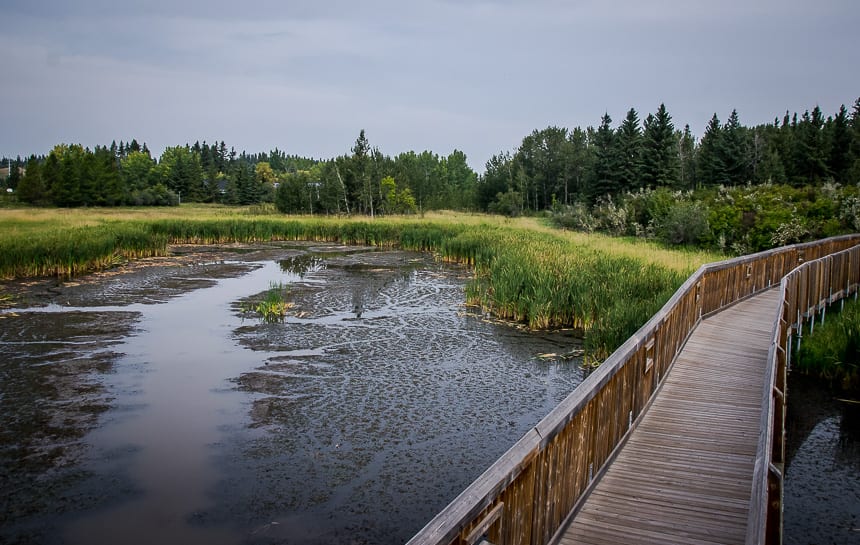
(306, 76)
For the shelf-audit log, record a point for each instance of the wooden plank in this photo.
(684, 475)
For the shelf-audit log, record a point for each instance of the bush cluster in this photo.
(736, 220)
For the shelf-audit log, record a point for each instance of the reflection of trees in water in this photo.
(368, 281)
(811, 402)
(303, 264)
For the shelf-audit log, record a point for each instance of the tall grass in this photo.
(832, 351)
(523, 271)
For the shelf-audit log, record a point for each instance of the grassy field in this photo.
(524, 270)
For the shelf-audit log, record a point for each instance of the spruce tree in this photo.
(660, 166)
(840, 145)
(734, 151)
(810, 155)
(628, 143)
(604, 177)
(710, 168)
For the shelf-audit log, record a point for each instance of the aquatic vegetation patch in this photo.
(273, 307)
(523, 271)
(832, 351)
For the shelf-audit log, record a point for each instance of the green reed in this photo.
(538, 277)
(832, 351)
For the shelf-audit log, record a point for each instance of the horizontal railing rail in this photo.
(529, 493)
(805, 292)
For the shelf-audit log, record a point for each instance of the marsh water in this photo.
(151, 407)
(822, 475)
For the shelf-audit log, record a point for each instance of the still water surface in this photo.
(150, 409)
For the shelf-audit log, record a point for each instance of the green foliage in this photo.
(538, 278)
(32, 188)
(273, 306)
(508, 204)
(832, 351)
(685, 223)
(660, 161)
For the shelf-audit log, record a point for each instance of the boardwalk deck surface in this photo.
(685, 474)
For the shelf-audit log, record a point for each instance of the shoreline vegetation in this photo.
(524, 270)
(831, 352)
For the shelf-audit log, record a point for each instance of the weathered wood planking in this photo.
(529, 492)
(685, 473)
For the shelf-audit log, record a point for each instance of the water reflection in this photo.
(360, 415)
(822, 476)
(303, 264)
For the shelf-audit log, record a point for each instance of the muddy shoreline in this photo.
(320, 421)
(358, 417)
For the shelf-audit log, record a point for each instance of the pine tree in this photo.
(660, 166)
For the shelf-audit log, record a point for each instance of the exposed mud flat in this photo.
(146, 405)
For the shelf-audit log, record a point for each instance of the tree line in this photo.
(551, 167)
(557, 165)
(362, 182)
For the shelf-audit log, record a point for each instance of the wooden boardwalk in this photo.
(685, 474)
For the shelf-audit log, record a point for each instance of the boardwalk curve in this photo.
(718, 458)
(685, 474)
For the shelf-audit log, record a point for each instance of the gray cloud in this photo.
(306, 76)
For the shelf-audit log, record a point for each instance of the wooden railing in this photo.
(528, 494)
(806, 292)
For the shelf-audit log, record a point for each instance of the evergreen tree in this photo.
(629, 152)
(32, 187)
(810, 155)
(181, 172)
(246, 185)
(51, 176)
(687, 158)
(710, 167)
(840, 145)
(109, 189)
(604, 177)
(734, 151)
(854, 148)
(660, 166)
